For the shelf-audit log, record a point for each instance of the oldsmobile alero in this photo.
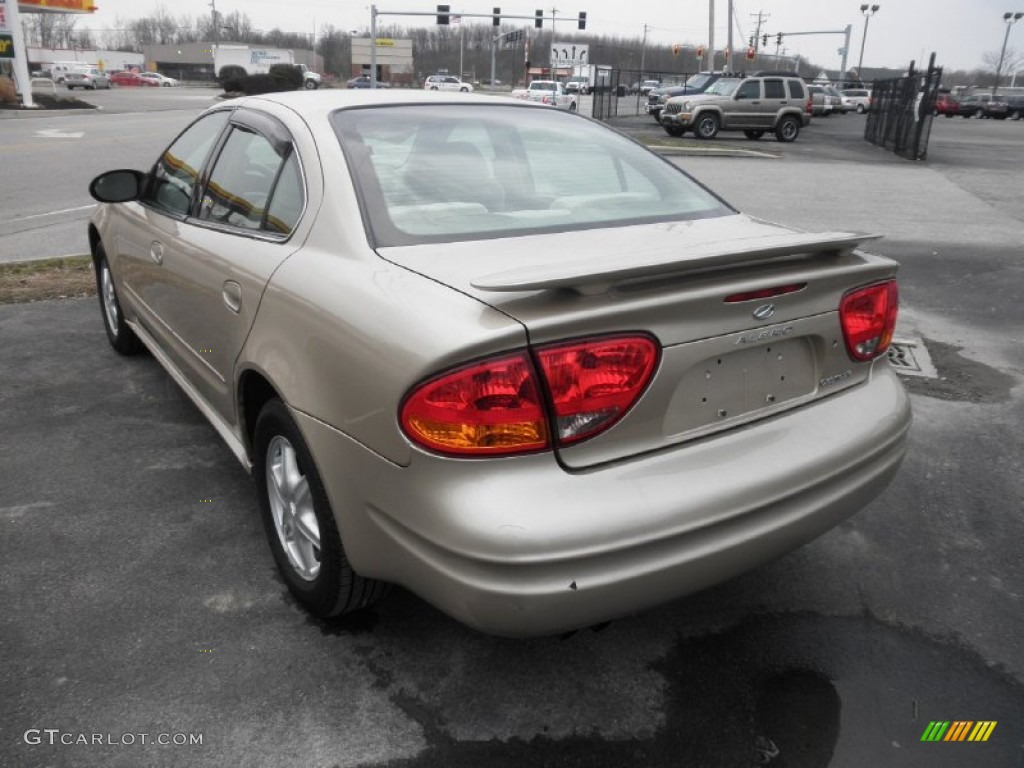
(500, 354)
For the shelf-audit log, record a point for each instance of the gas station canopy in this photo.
(57, 6)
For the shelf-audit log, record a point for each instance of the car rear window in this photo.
(440, 173)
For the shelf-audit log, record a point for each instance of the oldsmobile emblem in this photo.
(764, 311)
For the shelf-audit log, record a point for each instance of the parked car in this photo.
(696, 83)
(821, 102)
(132, 79)
(753, 105)
(161, 80)
(861, 98)
(404, 314)
(946, 105)
(1015, 107)
(840, 104)
(446, 83)
(90, 78)
(363, 81)
(648, 85)
(981, 105)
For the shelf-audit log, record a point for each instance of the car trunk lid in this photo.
(745, 313)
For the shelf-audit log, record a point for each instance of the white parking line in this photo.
(56, 213)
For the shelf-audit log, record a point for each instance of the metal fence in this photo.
(900, 118)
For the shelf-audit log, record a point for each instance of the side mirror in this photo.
(119, 186)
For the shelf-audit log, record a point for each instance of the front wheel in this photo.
(788, 129)
(753, 135)
(706, 127)
(299, 522)
(572, 106)
(860, 109)
(310, 85)
(463, 90)
(121, 337)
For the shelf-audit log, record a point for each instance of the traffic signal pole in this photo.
(374, 13)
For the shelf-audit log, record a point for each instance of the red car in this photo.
(946, 105)
(131, 78)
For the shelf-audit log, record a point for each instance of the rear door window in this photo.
(774, 89)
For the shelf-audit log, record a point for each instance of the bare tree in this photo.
(1012, 61)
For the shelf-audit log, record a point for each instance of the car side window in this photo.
(177, 171)
(255, 184)
(796, 90)
(749, 90)
(289, 198)
(774, 89)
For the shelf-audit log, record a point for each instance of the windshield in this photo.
(696, 82)
(440, 173)
(540, 86)
(723, 87)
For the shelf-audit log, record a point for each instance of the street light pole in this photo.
(868, 11)
(1010, 18)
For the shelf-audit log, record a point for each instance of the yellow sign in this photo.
(385, 42)
(60, 6)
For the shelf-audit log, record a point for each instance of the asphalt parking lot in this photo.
(140, 596)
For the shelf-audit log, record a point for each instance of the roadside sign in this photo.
(569, 55)
(6, 46)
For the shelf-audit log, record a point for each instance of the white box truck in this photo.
(257, 61)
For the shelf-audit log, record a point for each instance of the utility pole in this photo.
(643, 52)
(216, 34)
(711, 35)
(729, 37)
(761, 17)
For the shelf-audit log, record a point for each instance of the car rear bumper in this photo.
(520, 547)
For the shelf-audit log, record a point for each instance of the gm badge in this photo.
(764, 312)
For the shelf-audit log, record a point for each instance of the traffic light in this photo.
(751, 52)
(778, 39)
(676, 49)
(764, 40)
(539, 21)
(583, 20)
(442, 14)
(496, 19)
(700, 51)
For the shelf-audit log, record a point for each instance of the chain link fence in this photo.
(900, 118)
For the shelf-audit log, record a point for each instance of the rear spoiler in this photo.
(597, 274)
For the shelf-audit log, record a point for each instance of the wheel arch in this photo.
(253, 392)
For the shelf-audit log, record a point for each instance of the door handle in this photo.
(232, 295)
(156, 251)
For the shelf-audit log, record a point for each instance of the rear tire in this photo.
(300, 525)
(121, 337)
(706, 127)
(788, 129)
(860, 109)
(572, 106)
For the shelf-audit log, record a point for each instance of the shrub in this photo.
(231, 76)
(288, 73)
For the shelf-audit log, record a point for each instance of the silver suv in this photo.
(753, 105)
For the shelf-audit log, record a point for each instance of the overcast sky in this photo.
(959, 31)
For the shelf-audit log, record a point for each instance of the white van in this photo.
(59, 69)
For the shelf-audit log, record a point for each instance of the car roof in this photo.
(318, 104)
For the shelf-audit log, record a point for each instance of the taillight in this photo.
(491, 407)
(497, 407)
(593, 383)
(809, 106)
(868, 317)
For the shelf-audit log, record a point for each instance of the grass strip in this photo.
(64, 278)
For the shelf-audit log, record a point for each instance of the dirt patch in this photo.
(66, 278)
